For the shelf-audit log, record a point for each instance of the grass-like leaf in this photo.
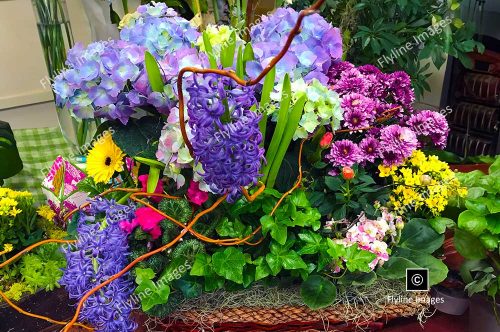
(154, 74)
(210, 51)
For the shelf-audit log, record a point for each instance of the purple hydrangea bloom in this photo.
(370, 149)
(430, 125)
(397, 143)
(100, 253)
(310, 54)
(159, 29)
(226, 133)
(344, 153)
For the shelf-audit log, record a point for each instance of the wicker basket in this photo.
(290, 318)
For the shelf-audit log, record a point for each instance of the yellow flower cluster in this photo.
(422, 182)
(46, 212)
(7, 247)
(9, 201)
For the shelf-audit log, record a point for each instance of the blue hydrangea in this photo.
(159, 28)
(100, 252)
(311, 53)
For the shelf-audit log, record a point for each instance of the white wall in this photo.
(21, 59)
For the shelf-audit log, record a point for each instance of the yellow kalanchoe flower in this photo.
(104, 159)
(422, 182)
(46, 212)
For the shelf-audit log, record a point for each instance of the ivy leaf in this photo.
(278, 231)
(233, 229)
(282, 257)
(299, 199)
(357, 259)
(151, 294)
(262, 270)
(318, 292)
(313, 243)
(229, 264)
(202, 265)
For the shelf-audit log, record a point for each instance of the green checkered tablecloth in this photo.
(38, 148)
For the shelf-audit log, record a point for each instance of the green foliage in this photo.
(337, 198)
(418, 241)
(179, 209)
(149, 292)
(139, 138)
(10, 162)
(154, 73)
(318, 292)
(382, 29)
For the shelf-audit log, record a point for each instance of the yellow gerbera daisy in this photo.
(104, 159)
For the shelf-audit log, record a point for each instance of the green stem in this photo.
(125, 6)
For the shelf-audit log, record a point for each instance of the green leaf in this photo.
(281, 124)
(291, 127)
(318, 292)
(154, 73)
(229, 264)
(493, 205)
(493, 223)
(10, 161)
(358, 279)
(140, 137)
(232, 229)
(440, 224)
(419, 235)
(468, 245)
(357, 259)
(333, 183)
(240, 71)
(471, 222)
(478, 205)
(262, 270)
(278, 231)
(282, 257)
(313, 243)
(150, 293)
(202, 265)
(299, 199)
(189, 288)
(395, 268)
(209, 50)
(437, 269)
(489, 241)
(228, 51)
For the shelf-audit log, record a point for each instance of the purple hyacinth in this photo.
(311, 51)
(344, 153)
(101, 252)
(431, 126)
(226, 133)
(370, 149)
(397, 143)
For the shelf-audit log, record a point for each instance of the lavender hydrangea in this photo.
(96, 82)
(430, 126)
(310, 54)
(226, 133)
(159, 28)
(101, 252)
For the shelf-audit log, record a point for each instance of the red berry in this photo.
(347, 173)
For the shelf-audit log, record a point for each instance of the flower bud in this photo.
(425, 180)
(347, 173)
(326, 140)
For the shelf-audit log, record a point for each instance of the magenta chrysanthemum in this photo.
(370, 149)
(359, 111)
(344, 153)
(398, 143)
(430, 126)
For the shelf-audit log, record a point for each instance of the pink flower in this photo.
(158, 190)
(195, 195)
(148, 219)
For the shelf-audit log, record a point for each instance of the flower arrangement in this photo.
(243, 172)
